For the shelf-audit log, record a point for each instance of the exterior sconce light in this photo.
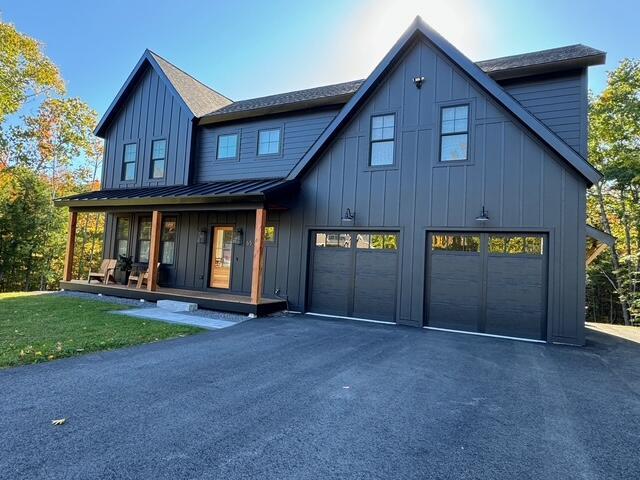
(348, 216)
(237, 236)
(418, 81)
(202, 236)
(483, 217)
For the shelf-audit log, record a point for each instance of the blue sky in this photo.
(251, 48)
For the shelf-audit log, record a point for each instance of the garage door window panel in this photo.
(456, 243)
(515, 245)
(333, 240)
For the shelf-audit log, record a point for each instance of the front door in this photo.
(221, 257)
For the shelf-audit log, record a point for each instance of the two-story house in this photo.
(437, 192)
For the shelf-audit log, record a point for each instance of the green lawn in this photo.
(41, 327)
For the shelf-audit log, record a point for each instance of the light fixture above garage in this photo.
(348, 215)
(483, 217)
(418, 81)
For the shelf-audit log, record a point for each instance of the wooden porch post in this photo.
(154, 250)
(71, 243)
(258, 256)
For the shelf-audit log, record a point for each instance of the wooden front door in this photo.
(221, 257)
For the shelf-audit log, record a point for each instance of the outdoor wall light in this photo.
(483, 217)
(418, 81)
(202, 235)
(348, 216)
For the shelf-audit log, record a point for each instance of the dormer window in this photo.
(158, 157)
(129, 162)
(227, 146)
(269, 141)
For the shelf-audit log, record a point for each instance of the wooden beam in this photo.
(154, 251)
(595, 252)
(71, 243)
(258, 256)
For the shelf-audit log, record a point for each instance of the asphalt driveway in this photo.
(304, 398)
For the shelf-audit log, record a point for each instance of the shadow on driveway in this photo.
(303, 398)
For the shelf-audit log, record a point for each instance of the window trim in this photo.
(135, 162)
(151, 160)
(227, 134)
(116, 239)
(280, 142)
(393, 164)
(441, 108)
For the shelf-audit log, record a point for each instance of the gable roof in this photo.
(194, 95)
(419, 28)
(200, 98)
(334, 94)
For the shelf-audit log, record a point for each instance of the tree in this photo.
(614, 147)
(44, 155)
(25, 72)
(31, 229)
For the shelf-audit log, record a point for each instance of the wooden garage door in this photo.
(488, 282)
(354, 274)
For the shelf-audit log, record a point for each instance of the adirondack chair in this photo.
(140, 278)
(105, 273)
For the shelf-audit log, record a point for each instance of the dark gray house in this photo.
(436, 192)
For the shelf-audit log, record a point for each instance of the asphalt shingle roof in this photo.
(571, 52)
(200, 98)
(327, 91)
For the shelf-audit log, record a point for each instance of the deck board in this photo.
(212, 300)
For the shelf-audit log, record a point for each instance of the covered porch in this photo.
(216, 237)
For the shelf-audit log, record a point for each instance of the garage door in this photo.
(353, 274)
(488, 282)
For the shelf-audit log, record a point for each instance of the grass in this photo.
(39, 327)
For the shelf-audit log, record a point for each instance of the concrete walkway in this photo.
(163, 315)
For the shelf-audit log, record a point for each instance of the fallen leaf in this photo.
(59, 421)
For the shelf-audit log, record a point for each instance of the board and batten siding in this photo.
(521, 183)
(149, 112)
(298, 132)
(559, 101)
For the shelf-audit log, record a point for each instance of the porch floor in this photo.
(212, 300)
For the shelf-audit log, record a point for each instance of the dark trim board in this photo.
(209, 300)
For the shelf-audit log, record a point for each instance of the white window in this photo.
(228, 146)
(269, 142)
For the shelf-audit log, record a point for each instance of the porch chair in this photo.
(140, 278)
(106, 271)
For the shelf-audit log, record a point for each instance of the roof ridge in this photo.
(187, 74)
